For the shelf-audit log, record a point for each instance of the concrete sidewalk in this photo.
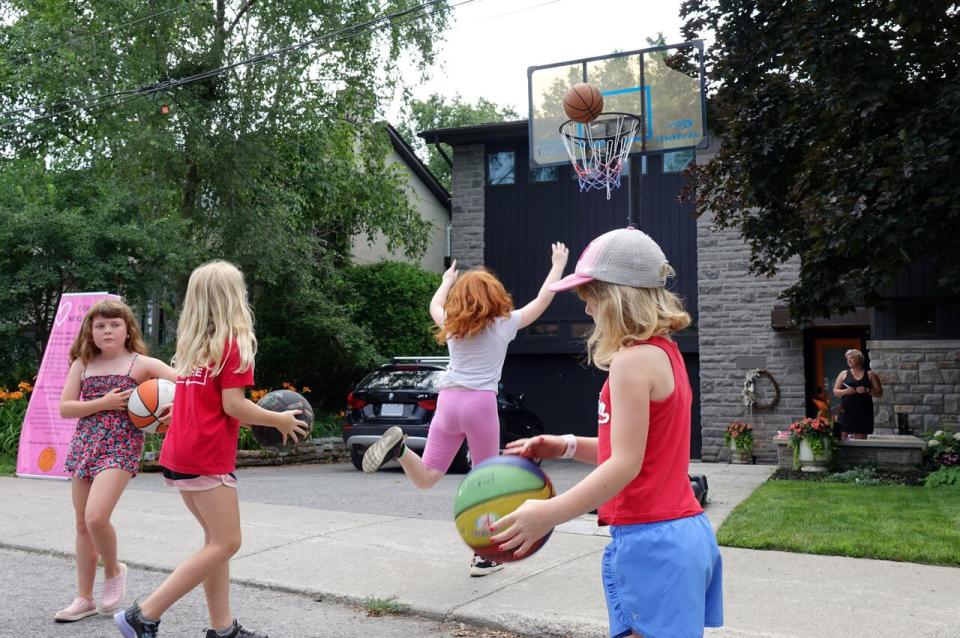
(352, 556)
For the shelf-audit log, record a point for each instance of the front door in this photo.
(829, 360)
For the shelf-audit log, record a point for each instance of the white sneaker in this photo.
(481, 566)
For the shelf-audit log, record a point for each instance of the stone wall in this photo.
(735, 336)
(921, 384)
(466, 239)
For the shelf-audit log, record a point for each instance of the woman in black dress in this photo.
(856, 388)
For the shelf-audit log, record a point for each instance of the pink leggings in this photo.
(462, 413)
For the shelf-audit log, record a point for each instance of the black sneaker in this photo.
(388, 447)
(132, 625)
(482, 566)
(235, 632)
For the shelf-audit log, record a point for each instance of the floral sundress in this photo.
(108, 438)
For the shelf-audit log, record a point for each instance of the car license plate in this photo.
(391, 409)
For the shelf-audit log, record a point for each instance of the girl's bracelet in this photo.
(571, 448)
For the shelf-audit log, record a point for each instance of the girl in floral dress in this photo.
(107, 362)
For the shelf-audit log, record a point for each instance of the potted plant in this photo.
(739, 436)
(812, 442)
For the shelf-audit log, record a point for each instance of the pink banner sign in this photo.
(46, 436)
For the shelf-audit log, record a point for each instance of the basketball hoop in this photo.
(598, 149)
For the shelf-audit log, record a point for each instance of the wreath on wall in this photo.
(749, 393)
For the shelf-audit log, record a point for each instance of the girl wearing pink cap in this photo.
(662, 572)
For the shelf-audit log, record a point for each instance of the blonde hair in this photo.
(623, 315)
(85, 349)
(854, 353)
(215, 313)
(474, 302)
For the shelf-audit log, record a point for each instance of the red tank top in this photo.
(661, 491)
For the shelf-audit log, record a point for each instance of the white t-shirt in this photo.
(476, 362)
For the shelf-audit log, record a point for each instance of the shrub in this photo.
(13, 406)
(862, 475)
(943, 449)
(944, 477)
(394, 303)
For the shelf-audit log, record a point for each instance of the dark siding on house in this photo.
(563, 392)
(522, 219)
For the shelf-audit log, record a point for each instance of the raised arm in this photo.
(532, 311)
(440, 296)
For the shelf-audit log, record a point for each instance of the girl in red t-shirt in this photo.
(214, 359)
(662, 572)
(107, 361)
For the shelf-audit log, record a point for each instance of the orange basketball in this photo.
(583, 102)
(145, 403)
(47, 459)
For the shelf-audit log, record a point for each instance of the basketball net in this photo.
(599, 149)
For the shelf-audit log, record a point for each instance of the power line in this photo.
(342, 33)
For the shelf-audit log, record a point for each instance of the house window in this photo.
(643, 165)
(626, 167)
(544, 174)
(500, 168)
(915, 320)
(579, 329)
(677, 161)
(544, 330)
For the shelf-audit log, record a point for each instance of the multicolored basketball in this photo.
(145, 403)
(490, 491)
(281, 401)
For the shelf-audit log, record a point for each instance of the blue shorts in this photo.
(663, 579)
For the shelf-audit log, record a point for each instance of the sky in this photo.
(492, 42)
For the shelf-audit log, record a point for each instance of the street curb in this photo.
(319, 596)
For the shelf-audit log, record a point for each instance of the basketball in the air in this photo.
(145, 403)
(490, 491)
(281, 401)
(583, 102)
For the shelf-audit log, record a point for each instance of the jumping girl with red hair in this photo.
(475, 318)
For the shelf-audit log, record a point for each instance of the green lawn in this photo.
(8, 464)
(891, 522)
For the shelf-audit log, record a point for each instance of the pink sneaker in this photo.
(114, 589)
(79, 609)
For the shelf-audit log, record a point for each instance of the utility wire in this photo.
(338, 34)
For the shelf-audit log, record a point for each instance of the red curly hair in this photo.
(474, 301)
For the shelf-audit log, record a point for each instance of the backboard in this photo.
(663, 85)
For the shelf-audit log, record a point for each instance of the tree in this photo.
(839, 142)
(273, 165)
(440, 112)
(393, 302)
(58, 232)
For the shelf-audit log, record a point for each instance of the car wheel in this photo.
(461, 462)
(356, 456)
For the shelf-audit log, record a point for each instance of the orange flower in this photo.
(289, 386)
(25, 386)
(15, 396)
(306, 389)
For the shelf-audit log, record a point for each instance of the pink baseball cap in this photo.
(625, 256)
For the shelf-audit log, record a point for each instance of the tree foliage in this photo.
(273, 165)
(839, 141)
(438, 111)
(394, 301)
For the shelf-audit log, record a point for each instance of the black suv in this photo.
(404, 393)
